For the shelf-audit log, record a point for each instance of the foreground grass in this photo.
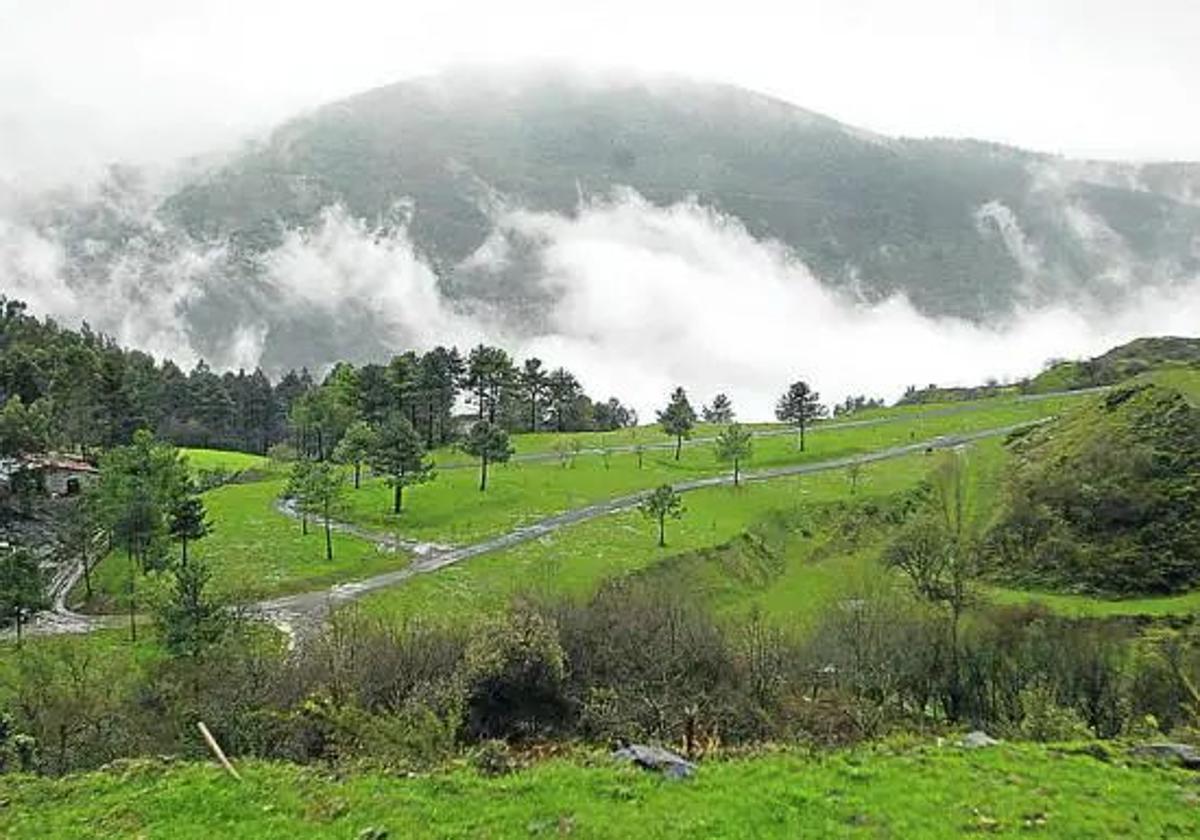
(890, 791)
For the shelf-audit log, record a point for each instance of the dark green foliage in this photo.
(734, 445)
(661, 504)
(356, 447)
(534, 382)
(720, 411)
(489, 443)
(678, 419)
(800, 406)
(140, 485)
(398, 453)
(489, 376)
(80, 390)
(22, 587)
(515, 675)
(190, 620)
(1106, 499)
(24, 429)
(187, 519)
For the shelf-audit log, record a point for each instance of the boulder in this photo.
(978, 739)
(672, 765)
(1184, 755)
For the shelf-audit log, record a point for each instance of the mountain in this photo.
(962, 228)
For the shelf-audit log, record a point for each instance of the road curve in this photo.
(294, 612)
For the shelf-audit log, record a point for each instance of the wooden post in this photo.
(216, 750)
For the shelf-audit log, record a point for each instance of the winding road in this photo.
(297, 613)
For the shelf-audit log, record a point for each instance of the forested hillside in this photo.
(79, 389)
(295, 251)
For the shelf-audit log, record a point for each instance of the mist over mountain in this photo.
(579, 216)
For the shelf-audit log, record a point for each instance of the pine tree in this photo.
(678, 419)
(489, 443)
(187, 518)
(22, 588)
(399, 454)
(720, 411)
(800, 406)
(662, 503)
(735, 444)
(355, 448)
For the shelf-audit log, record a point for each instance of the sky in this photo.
(84, 83)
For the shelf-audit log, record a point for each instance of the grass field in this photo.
(451, 508)
(220, 459)
(890, 790)
(255, 551)
(576, 560)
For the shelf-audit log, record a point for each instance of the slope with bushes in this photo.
(1107, 498)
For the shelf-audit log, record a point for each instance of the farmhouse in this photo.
(49, 473)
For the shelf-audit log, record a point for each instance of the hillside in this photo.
(1104, 499)
(962, 228)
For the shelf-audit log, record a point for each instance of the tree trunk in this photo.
(132, 599)
(801, 437)
(87, 570)
(183, 556)
(678, 446)
(533, 415)
(304, 523)
(662, 531)
(483, 465)
(357, 475)
(397, 497)
(19, 623)
(328, 536)
(735, 472)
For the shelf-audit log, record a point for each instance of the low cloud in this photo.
(640, 298)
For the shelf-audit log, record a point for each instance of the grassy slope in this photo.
(578, 559)
(891, 791)
(220, 459)
(451, 509)
(255, 551)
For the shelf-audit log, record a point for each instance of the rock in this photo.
(670, 764)
(1184, 755)
(977, 739)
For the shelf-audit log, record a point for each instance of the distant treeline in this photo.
(78, 388)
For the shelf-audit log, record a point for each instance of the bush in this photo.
(514, 675)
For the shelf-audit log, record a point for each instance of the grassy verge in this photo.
(889, 791)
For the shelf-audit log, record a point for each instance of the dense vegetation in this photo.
(60, 387)
(1107, 499)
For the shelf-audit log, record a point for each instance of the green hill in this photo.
(1105, 499)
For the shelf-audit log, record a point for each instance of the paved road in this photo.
(295, 613)
(816, 428)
